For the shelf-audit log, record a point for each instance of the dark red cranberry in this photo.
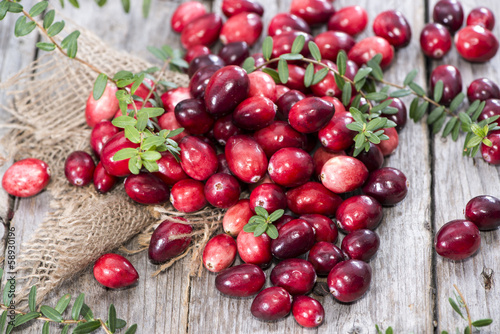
(193, 116)
(482, 89)
(491, 108)
(476, 44)
(387, 185)
(359, 212)
(435, 40)
(481, 16)
(393, 26)
(224, 128)
(203, 61)
(219, 253)
(449, 13)
(278, 135)
(259, 59)
(236, 217)
(101, 134)
(270, 196)
(79, 168)
(202, 30)
(389, 146)
(484, 211)
(222, 190)
(287, 101)
(185, 13)
(361, 244)
(254, 250)
(283, 221)
(297, 276)
(352, 20)
(199, 80)
(284, 22)
(26, 177)
(169, 169)
(145, 188)
(290, 167)
(308, 312)
(314, 12)
(116, 143)
(324, 228)
(233, 7)
(349, 280)
(295, 238)
(331, 42)
(343, 174)
(262, 84)
(240, 281)
(367, 48)
(324, 256)
(457, 239)
(114, 271)
(246, 159)
(187, 196)
(243, 27)
(452, 82)
(283, 42)
(312, 197)
(271, 304)
(196, 51)
(401, 116)
(373, 159)
(163, 246)
(491, 154)
(335, 135)
(254, 113)
(310, 114)
(198, 159)
(103, 181)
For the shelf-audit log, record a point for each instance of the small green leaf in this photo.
(389, 330)
(444, 332)
(298, 44)
(314, 50)
(356, 126)
(142, 121)
(464, 118)
(146, 7)
(260, 229)
(346, 93)
(376, 124)
(77, 306)
(51, 313)
(421, 111)
(357, 115)
(151, 156)
(341, 62)
(151, 166)
(436, 127)
(449, 126)
(384, 105)
(283, 71)
(56, 28)
(435, 114)
(482, 323)
(261, 212)
(455, 307)
(15, 7)
(123, 75)
(152, 141)
(339, 81)
(467, 330)
(362, 74)
(410, 77)
(487, 142)
(359, 140)
(478, 111)
(132, 329)
(99, 86)
(24, 318)
(32, 299)
(457, 101)
(320, 75)
(377, 72)
(413, 107)
(48, 19)
(65, 330)
(4, 7)
(309, 75)
(132, 134)
(87, 327)
(46, 46)
(276, 215)
(249, 65)
(179, 62)
(374, 139)
(267, 47)
(63, 303)
(250, 228)
(3, 319)
(38, 8)
(120, 323)
(291, 56)
(135, 164)
(124, 153)
(273, 73)
(438, 90)
(74, 3)
(45, 328)
(153, 112)
(8, 291)
(400, 93)
(272, 231)
(112, 318)
(175, 132)
(68, 39)
(23, 28)
(9, 328)
(474, 141)
(417, 88)
(126, 5)
(378, 96)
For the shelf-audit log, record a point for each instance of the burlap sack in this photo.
(47, 105)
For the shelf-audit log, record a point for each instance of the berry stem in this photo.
(466, 307)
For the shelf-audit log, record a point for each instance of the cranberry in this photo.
(321, 156)
(187, 196)
(335, 135)
(101, 134)
(491, 108)
(400, 117)
(172, 97)
(476, 44)
(26, 177)
(352, 20)
(227, 88)
(435, 40)
(457, 240)
(367, 48)
(452, 82)
(283, 42)
(349, 280)
(198, 159)
(280, 90)
(254, 250)
(242, 27)
(165, 242)
(271, 304)
(234, 53)
(254, 113)
(297, 276)
(169, 169)
(196, 51)
(264, 180)
(327, 86)
(312, 197)
(308, 312)
(79, 168)
(114, 271)
(202, 61)
(185, 13)
(482, 89)
(393, 26)
(145, 188)
(314, 12)
(240, 281)
(168, 121)
(387, 147)
(219, 253)
(373, 159)
(324, 256)
(287, 101)
(236, 217)
(262, 84)
(484, 211)
(222, 190)
(290, 167)
(233, 7)
(103, 109)
(202, 30)
(359, 212)
(310, 114)
(285, 219)
(361, 244)
(278, 135)
(224, 128)
(449, 13)
(342, 174)
(491, 154)
(387, 185)
(103, 181)
(481, 16)
(193, 116)
(246, 159)
(296, 78)
(324, 228)
(284, 22)
(331, 42)
(269, 196)
(295, 238)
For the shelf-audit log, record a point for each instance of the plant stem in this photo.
(466, 307)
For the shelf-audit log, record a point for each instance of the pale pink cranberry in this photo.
(196, 51)
(171, 97)
(351, 20)
(26, 177)
(203, 30)
(314, 12)
(104, 108)
(476, 44)
(343, 174)
(435, 40)
(321, 156)
(219, 253)
(481, 16)
(185, 13)
(237, 217)
(393, 26)
(262, 84)
(331, 42)
(243, 27)
(234, 7)
(389, 146)
(187, 196)
(367, 48)
(283, 22)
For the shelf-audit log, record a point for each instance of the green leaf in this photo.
(46, 46)
(438, 90)
(99, 86)
(362, 74)
(65, 330)
(421, 111)
(23, 28)
(341, 62)
(135, 164)
(273, 73)
(151, 156)
(346, 93)
(272, 231)
(249, 65)
(487, 142)
(413, 107)
(68, 39)
(444, 332)
(339, 81)
(435, 114)
(48, 19)
(410, 77)
(178, 61)
(154, 112)
(123, 121)
(74, 3)
(314, 50)
(9, 328)
(267, 47)
(455, 307)
(378, 96)
(464, 118)
(152, 141)
(51, 313)
(438, 124)
(56, 28)
(123, 75)
(120, 323)
(101, 3)
(360, 84)
(151, 166)
(291, 56)
(478, 111)
(132, 134)
(374, 139)
(8, 291)
(112, 318)
(132, 329)
(283, 71)
(260, 229)
(357, 115)
(77, 306)
(457, 101)
(389, 330)
(449, 126)
(125, 153)
(298, 44)
(3, 319)
(276, 215)
(417, 88)
(377, 72)
(126, 5)
(146, 7)
(87, 327)
(309, 75)
(38, 8)
(32, 299)
(359, 140)
(142, 121)
(400, 93)
(477, 130)
(261, 212)
(467, 330)
(63, 303)
(356, 126)
(320, 75)
(4, 7)
(15, 7)
(137, 83)
(385, 105)
(45, 328)
(22, 319)
(376, 124)
(474, 141)
(250, 228)
(482, 323)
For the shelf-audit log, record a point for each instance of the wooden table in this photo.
(411, 284)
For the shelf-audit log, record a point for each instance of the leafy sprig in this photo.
(389, 330)
(146, 5)
(262, 222)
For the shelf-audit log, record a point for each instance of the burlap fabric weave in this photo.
(48, 103)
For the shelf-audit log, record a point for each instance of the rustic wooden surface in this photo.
(410, 284)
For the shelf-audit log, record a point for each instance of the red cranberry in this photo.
(349, 280)
(196, 51)
(236, 217)
(114, 271)
(335, 135)
(26, 177)
(482, 89)
(115, 144)
(476, 44)
(233, 7)
(265, 179)
(296, 78)
(278, 135)
(224, 128)
(284, 22)
(172, 97)
(457, 239)
(202, 61)
(280, 90)
(297, 276)
(168, 121)
(259, 59)
(310, 114)
(198, 159)
(435, 40)
(193, 116)
(271, 304)
(222, 190)
(223, 167)
(285, 219)
(219, 253)
(283, 42)
(400, 117)
(287, 101)
(452, 82)
(484, 211)
(361, 245)
(169, 169)
(343, 174)
(240, 281)
(387, 185)
(324, 256)
(262, 84)
(246, 159)
(491, 108)
(101, 134)
(314, 12)
(103, 181)
(352, 20)
(79, 168)
(321, 156)
(367, 48)
(324, 228)
(254, 113)
(359, 212)
(290, 167)
(269, 196)
(227, 88)
(295, 238)
(254, 250)
(449, 13)
(103, 109)
(491, 154)
(165, 242)
(242, 27)
(145, 188)
(481, 16)
(327, 86)
(185, 13)
(187, 196)
(308, 312)
(202, 30)
(331, 42)
(393, 26)
(373, 159)
(312, 197)
(389, 146)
